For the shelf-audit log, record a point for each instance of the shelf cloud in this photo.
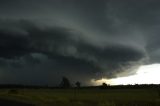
(43, 40)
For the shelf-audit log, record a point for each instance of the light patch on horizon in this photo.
(146, 74)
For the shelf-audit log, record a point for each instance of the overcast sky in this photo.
(43, 40)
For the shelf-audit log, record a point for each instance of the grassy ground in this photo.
(84, 97)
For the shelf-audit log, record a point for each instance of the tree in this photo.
(65, 83)
(103, 86)
(78, 84)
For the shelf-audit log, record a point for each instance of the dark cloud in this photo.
(62, 50)
(82, 39)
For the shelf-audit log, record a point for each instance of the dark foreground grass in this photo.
(84, 97)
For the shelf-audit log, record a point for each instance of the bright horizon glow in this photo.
(146, 74)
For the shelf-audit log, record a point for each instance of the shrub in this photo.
(13, 91)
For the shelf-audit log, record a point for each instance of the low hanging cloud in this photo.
(83, 39)
(59, 51)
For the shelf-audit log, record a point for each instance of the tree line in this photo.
(65, 84)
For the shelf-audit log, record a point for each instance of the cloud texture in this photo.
(81, 39)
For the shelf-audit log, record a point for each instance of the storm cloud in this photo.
(41, 41)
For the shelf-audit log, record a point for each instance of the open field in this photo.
(84, 97)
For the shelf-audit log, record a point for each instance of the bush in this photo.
(13, 91)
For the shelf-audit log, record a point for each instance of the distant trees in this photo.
(65, 83)
(78, 84)
(103, 86)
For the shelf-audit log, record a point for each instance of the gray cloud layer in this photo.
(82, 39)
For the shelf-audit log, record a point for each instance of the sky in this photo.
(85, 40)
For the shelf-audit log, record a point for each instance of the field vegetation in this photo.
(84, 97)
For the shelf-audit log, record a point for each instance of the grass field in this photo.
(84, 97)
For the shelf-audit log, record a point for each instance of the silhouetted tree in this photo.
(103, 86)
(65, 83)
(78, 84)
